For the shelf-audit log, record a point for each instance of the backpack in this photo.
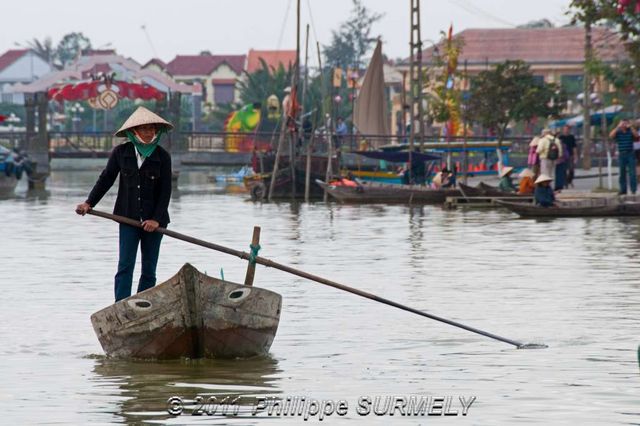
(553, 152)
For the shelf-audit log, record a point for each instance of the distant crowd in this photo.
(552, 159)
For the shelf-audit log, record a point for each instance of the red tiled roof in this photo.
(535, 45)
(204, 64)
(10, 56)
(273, 58)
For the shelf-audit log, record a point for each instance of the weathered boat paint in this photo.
(190, 315)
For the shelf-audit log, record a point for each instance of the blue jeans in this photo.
(627, 163)
(561, 175)
(130, 237)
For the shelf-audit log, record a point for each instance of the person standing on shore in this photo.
(569, 144)
(550, 150)
(144, 191)
(624, 135)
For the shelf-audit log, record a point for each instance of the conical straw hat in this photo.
(543, 178)
(526, 173)
(143, 116)
(506, 170)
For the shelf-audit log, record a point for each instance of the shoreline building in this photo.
(555, 55)
(20, 66)
(218, 75)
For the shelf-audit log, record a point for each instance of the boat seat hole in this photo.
(236, 294)
(143, 304)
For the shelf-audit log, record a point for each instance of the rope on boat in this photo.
(254, 253)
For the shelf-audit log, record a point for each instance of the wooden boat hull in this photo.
(496, 192)
(7, 183)
(574, 209)
(370, 192)
(258, 184)
(190, 315)
(471, 191)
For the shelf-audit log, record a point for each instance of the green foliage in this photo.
(441, 97)
(44, 49)
(214, 120)
(509, 93)
(540, 23)
(264, 82)
(71, 46)
(66, 51)
(352, 40)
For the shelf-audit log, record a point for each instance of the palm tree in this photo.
(44, 49)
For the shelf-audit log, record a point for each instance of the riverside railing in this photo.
(101, 143)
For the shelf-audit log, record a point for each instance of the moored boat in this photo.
(577, 208)
(470, 191)
(371, 192)
(190, 315)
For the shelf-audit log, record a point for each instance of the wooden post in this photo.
(274, 172)
(307, 178)
(586, 113)
(251, 269)
(465, 161)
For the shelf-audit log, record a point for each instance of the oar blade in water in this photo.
(533, 346)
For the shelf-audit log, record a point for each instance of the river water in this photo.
(573, 284)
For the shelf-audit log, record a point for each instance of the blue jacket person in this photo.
(543, 194)
(144, 191)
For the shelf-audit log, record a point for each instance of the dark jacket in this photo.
(544, 196)
(142, 193)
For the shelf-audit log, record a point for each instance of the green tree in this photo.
(509, 93)
(71, 46)
(440, 90)
(44, 49)
(540, 23)
(67, 50)
(353, 39)
(265, 81)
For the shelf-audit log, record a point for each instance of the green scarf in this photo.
(145, 149)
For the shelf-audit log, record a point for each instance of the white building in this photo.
(19, 66)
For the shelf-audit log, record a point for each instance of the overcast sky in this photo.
(234, 26)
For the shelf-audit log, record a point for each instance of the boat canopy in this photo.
(596, 118)
(397, 156)
(471, 146)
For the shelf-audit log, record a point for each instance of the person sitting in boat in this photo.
(506, 183)
(443, 179)
(144, 192)
(349, 181)
(543, 194)
(526, 187)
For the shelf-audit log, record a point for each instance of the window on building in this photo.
(223, 93)
(538, 79)
(572, 84)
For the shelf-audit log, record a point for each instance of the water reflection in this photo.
(570, 283)
(142, 388)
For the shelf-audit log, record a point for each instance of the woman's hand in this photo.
(83, 208)
(150, 225)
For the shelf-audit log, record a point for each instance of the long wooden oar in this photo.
(271, 264)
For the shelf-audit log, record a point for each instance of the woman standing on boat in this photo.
(144, 192)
